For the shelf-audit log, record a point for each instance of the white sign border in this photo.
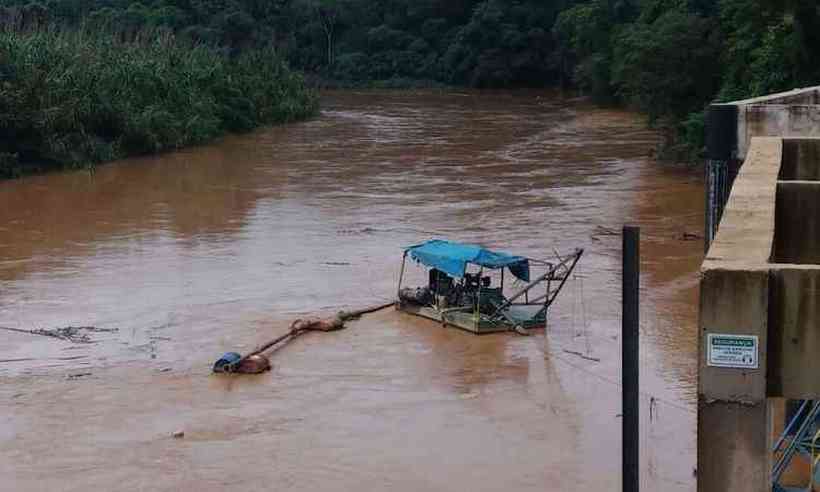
(709, 362)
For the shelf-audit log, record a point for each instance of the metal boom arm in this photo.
(572, 260)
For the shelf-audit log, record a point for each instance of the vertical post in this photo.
(401, 276)
(630, 363)
(477, 314)
(708, 207)
(721, 146)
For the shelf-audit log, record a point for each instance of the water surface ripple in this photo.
(212, 249)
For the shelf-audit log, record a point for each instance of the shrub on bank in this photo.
(80, 97)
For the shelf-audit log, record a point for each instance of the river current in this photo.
(191, 254)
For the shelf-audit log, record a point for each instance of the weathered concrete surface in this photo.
(786, 114)
(803, 95)
(734, 302)
(761, 277)
(733, 452)
(744, 238)
(797, 223)
(785, 120)
(801, 159)
(795, 332)
(795, 277)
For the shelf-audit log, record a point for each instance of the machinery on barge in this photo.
(465, 286)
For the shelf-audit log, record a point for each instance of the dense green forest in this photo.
(668, 58)
(74, 96)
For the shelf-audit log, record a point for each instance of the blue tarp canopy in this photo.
(452, 258)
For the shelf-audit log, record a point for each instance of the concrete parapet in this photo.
(776, 120)
(794, 313)
(734, 302)
(730, 128)
(797, 223)
(787, 114)
(803, 95)
(760, 288)
(733, 452)
(745, 235)
(801, 160)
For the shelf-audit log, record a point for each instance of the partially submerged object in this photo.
(256, 361)
(466, 299)
(234, 362)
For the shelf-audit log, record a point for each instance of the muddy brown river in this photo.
(218, 248)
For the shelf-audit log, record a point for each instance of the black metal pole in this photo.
(721, 144)
(629, 367)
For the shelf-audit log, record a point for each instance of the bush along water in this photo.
(74, 98)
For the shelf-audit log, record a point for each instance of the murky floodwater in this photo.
(213, 249)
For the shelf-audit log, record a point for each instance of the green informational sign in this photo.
(737, 351)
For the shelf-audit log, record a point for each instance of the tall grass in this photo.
(72, 98)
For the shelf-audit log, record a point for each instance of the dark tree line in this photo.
(81, 95)
(667, 57)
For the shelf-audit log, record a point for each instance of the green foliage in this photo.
(693, 129)
(504, 44)
(78, 97)
(667, 57)
(669, 66)
(584, 34)
(772, 68)
(769, 46)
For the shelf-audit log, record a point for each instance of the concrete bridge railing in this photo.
(731, 127)
(760, 290)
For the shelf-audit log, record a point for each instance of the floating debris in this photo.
(690, 236)
(73, 334)
(78, 375)
(579, 354)
(603, 231)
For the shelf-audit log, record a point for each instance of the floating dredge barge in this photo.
(468, 300)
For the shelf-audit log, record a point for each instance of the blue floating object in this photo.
(227, 363)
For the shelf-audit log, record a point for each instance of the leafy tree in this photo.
(667, 57)
(669, 66)
(584, 35)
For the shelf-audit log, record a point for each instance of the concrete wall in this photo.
(794, 304)
(761, 277)
(794, 333)
(803, 95)
(733, 416)
(733, 452)
(730, 128)
(797, 223)
(794, 113)
(801, 160)
(773, 120)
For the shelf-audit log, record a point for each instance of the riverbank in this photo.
(76, 98)
(321, 81)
